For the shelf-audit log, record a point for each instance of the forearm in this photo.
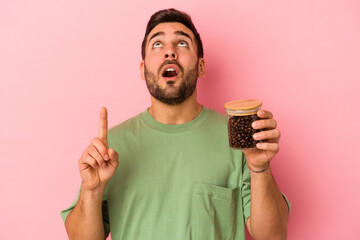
(85, 220)
(269, 211)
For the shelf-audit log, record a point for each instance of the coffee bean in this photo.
(241, 132)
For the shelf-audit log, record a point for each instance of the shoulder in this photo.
(215, 117)
(126, 125)
(124, 129)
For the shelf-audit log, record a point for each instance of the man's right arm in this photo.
(97, 166)
(85, 221)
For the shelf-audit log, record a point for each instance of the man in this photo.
(169, 172)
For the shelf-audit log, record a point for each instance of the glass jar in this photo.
(241, 114)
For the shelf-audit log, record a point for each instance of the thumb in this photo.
(114, 158)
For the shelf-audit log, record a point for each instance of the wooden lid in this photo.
(244, 104)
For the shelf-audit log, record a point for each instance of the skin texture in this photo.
(97, 165)
(174, 101)
(171, 95)
(269, 211)
(169, 45)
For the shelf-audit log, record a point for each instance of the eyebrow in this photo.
(156, 34)
(181, 33)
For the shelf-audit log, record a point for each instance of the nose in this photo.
(173, 55)
(170, 54)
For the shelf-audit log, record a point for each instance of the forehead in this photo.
(170, 28)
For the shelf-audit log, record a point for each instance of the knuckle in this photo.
(262, 135)
(88, 159)
(93, 163)
(276, 147)
(83, 160)
(91, 148)
(102, 154)
(92, 160)
(94, 140)
(275, 123)
(261, 123)
(103, 150)
(265, 145)
(278, 133)
(99, 159)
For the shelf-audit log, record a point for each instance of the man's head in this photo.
(172, 57)
(172, 15)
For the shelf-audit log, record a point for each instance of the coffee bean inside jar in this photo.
(241, 114)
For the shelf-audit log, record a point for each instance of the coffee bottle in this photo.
(241, 114)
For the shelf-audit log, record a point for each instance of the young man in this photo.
(169, 172)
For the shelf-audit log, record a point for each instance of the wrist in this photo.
(93, 193)
(258, 169)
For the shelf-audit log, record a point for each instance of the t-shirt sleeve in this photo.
(245, 189)
(287, 202)
(65, 212)
(105, 213)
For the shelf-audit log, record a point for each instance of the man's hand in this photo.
(259, 158)
(98, 163)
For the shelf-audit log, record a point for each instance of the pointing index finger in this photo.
(103, 126)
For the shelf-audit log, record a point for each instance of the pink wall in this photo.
(60, 61)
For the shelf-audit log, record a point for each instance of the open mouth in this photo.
(170, 72)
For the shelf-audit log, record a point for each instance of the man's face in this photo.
(171, 66)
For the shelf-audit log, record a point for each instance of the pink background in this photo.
(60, 61)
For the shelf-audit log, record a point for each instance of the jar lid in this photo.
(244, 104)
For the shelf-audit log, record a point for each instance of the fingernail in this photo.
(255, 124)
(256, 136)
(103, 165)
(262, 112)
(259, 145)
(106, 157)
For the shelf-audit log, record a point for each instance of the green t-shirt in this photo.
(176, 181)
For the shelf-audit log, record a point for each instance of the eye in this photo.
(182, 44)
(157, 45)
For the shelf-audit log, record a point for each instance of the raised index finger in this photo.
(103, 126)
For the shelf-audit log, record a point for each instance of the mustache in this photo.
(166, 62)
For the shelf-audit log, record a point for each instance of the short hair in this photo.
(172, 15)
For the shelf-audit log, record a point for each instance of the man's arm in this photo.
(97, 166)
(269, 212)
(85, 221)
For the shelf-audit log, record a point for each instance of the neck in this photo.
(175, 114)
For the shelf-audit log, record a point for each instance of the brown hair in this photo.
(172, 15)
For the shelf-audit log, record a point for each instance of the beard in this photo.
(172, 95)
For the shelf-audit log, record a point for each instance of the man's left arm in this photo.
(269, 212)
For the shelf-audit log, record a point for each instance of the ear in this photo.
(201, 67)
(142, 69)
